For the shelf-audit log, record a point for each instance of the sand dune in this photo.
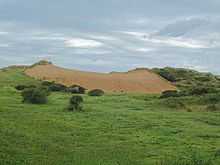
(135, 81)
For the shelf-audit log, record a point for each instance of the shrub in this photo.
(96, 92)
(169, 93)
(55, 87)
(165, 74)
(184, 92)
(75, 103)
(198, 91)
(77, 89)
(22, 87)
(35, 95)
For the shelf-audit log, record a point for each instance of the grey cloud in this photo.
(180, 28)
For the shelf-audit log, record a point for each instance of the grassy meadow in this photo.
(116, 128)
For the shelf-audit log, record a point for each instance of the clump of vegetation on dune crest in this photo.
(184, 78)
(43, 62)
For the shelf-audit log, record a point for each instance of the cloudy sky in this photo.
(111, 35)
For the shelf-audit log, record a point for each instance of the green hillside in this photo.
(113, 129)
(184, 78)
(13, 76)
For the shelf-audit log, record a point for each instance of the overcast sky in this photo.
(111, 35)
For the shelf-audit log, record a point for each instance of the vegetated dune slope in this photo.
(135, 81)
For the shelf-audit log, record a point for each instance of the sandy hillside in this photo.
(136, 81)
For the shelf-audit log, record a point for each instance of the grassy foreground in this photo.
(113, 129)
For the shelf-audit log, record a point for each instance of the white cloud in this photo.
(89, 51)
(83, 43)
(188, 44)
(179, 42)
(105, 38)
(144, 50)
(132, 33)
(4, 45)
(3, 33)
(48, 38)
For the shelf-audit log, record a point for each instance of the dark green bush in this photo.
(22, 87)
(198, 91)
(35, 95)
(165, 74)
(55, 87)
(75, 103)
(96, 92)
(169, 93)
(77, 89)
(184, 93)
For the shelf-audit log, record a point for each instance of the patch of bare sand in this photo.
(135, 81)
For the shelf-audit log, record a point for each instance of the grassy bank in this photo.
(113, 129)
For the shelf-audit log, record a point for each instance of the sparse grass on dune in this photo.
(113, 129)
(12, 77)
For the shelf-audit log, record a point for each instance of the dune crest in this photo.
(134, 81)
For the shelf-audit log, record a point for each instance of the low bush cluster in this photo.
(37, 95)
(24, 86)
(77, 89)
(192, 91)
(96, 92)
(165, 74)
(169, 93)
(198, 91)
(75, 103)
(55, 87)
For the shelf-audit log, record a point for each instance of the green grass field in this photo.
(119, 129)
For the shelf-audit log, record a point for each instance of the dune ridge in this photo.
(134, 81)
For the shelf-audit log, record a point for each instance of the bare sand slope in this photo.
(136, 81)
